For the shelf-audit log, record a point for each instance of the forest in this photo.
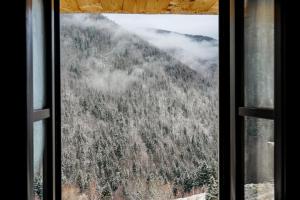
(137, 121)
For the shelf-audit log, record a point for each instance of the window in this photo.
(259, 158)
(39, 97)
(257, 68)
(259, 53)
(38, 54)
(39, 128)
(257, 103)
(259, 94)
(40, 74)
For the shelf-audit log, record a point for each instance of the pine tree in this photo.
(38, 187)
(79, 181)
(203, 175)
(106, 191)
(187, 183)
(213, 189)
(134, 168)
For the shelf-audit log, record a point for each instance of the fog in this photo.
(197, 55)
(186, 24)
(200, 56)
(114, 82)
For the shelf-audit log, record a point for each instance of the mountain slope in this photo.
(136, 122)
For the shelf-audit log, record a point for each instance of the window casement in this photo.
(42, 85)
(256, 100)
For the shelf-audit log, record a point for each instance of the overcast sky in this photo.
(189, 24)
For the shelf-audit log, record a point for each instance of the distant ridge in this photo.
(198, 38)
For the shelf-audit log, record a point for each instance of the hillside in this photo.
(137, 123)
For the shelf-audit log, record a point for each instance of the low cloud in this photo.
(88, 20)
(114, 82)
(197, 55)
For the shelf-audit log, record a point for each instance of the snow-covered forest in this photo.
(139, 119)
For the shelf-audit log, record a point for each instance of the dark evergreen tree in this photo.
(213, 189)
(106, 192)
(38, 186)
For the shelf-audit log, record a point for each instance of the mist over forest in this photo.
(139, 112)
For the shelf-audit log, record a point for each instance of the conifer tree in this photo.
(213, 189)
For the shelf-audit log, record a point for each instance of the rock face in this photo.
(142, 6)
(136, 122)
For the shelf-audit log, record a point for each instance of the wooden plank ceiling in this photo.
(140, 6)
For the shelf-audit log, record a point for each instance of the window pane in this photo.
(39, 93)
(259, 53)
(259, 159)
(38, 155)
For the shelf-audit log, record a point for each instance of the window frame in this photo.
(230, 20)
(230, 114)
(224, 100)
(49, 112)
(239, 111)
(225, 51)
(230, 111)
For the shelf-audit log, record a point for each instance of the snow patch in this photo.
(194, 197)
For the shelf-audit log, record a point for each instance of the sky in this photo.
(206, 25)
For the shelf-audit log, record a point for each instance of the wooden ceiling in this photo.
(140, 6)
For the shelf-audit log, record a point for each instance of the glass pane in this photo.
(259, 53)
(39, 93)
(38, 155)
(259, 159)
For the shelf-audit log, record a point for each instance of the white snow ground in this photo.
(194, 197)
